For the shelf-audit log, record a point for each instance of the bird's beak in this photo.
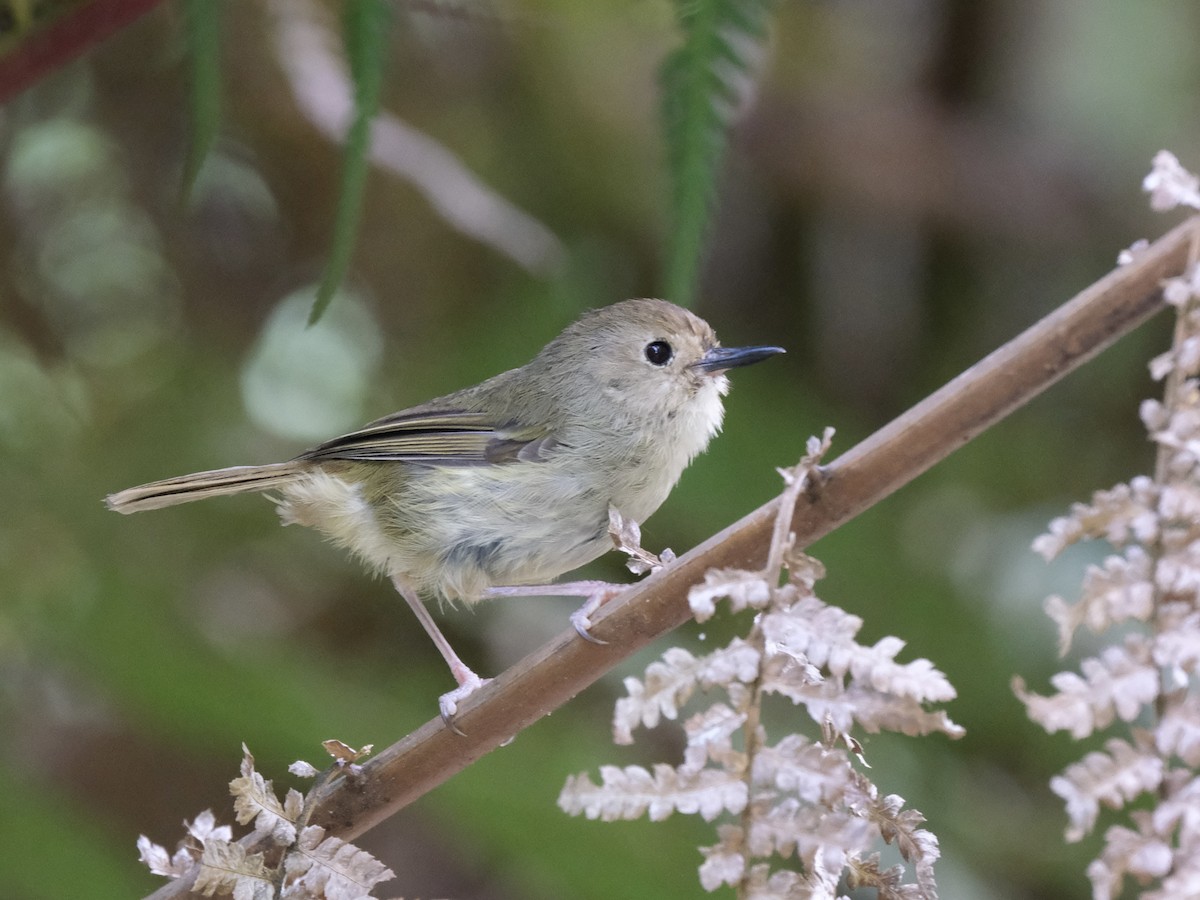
(718, 359)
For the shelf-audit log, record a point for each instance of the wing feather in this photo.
(437, 437)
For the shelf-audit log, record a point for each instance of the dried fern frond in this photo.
(793, 796)
(1152, 582)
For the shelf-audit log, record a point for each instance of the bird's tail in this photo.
(197, 486)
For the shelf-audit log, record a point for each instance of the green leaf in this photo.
(202, 30)
(365, 24)
(702, 83)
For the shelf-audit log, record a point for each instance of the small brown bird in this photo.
(509, 482)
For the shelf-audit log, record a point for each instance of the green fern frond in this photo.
(202, 35)
(365, 24)
(702, 82)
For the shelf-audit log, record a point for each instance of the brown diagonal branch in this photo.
(864, 475)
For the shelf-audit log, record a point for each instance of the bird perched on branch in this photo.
(496, 489)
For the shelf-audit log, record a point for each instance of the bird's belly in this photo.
(454, 532)
(470, 528)
(543, 551)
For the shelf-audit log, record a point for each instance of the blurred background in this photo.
(909, 185)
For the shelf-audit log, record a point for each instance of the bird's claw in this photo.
(581, 619)
(448, 702)
(581, 622)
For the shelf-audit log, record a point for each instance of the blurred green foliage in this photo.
(908, 186)
(203, 36)
(705, 82)
(365, 23)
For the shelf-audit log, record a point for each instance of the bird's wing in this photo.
(438, 437)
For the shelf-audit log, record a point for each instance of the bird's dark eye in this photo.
(659, 353)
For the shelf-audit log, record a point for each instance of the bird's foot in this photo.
(581, 619)
(468, 683)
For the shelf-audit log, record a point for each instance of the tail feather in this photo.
(197, 486)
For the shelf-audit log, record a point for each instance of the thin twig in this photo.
(860, 478)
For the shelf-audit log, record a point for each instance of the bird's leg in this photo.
(597, 593)
(468, 681)
(626, 536)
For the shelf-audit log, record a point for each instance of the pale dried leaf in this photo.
(824, 636)
(226, 868)
(668, 683)
(1113, 778)
(1184, 880)
(788, 827)
(1123, 513)
(1117, 592)
(917, 680)
(1187, 351)
(1178, 572)
(160, 862)
(1175, 358)
(1179, 810)
(1179, 290)
(840, 706)
(1154, 415)
(1178, 731)
(763, 884)
(632, 792)
(1176, 647)
(204, 828)
(1064, 531)
(887, 883)
(343, 754)
(783, 670)
(710, 736)
(917, 845)
(742, 588)
(804, 571)
(737, 662)
(724, 862)
(626, 536)
(1180, 501)
(293, 805)
(1106, 883)
(876, 712)
(1119, 682)
(797, 766)
(302, 769)
(1126, 852)
(1181, 433)
(1169, 184)
(815, 447)
(255, 801)
(330, 868)
(899, 825)
(814, 632)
